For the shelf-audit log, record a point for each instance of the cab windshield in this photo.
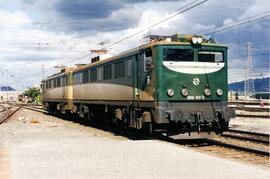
(210, 56)
(178, 55)
(187, 55)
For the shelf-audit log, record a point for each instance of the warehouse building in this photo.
(8, 93)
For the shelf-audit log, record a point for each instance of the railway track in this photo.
(228, 148)
(252, 142)
(3, 112)
(230, 151)
(247, 136)
(229, 144)
(251, 109)
(36, 108)
(221, 142)
(6, 111)
(252, 116)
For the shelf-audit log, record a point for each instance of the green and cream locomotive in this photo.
(173, 84)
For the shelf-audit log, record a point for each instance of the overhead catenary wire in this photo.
(256, 54)
(238, 23)
(175, 13)
(233, 25)
(185, 8)
(181, 10)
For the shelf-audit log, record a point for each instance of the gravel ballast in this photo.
(260, 125)
(43, 146)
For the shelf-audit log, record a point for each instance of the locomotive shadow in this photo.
(192, 142)
(106, 126)
(133, 134)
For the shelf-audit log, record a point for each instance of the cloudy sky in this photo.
(37, 35)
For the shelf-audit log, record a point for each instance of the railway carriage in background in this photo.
(174, 84)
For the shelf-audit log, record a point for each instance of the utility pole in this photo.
(249, 81)
(43, 71)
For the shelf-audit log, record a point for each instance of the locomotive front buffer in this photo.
(206, 118)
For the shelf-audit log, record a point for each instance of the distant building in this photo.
(8, 93)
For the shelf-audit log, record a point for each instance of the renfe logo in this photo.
(196, 81)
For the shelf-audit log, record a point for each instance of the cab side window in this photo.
(148, 61)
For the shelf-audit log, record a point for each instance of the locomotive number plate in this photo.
(195, 97)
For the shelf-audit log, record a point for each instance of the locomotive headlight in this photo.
(200, 40)
(197, 40)
(219, 92)
(184, 92)
(194, 40)
(170, 92)
(207, 92)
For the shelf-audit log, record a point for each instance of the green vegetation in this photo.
(34, 94)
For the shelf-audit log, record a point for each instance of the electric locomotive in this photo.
(173, 84)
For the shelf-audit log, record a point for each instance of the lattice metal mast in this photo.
(249, 82)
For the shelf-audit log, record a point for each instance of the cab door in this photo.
(62, 85)
(135, 79)
(142, 69)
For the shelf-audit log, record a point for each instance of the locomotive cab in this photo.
(191, 86)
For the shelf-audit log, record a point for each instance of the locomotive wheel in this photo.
(88, 117)
(147, 128)
(125, 121)
(52, 109)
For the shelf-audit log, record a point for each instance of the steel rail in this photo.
(248, 132)
(246, 138)
(34, 109)
(252, 116)
(5, 109)
(207, 142)
(240, 148)
(8, 114)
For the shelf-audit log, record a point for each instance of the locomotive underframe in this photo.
(193, 116)
(170, 117)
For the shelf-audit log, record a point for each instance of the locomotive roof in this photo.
(62, 73)
(129, 53)
(137, 50)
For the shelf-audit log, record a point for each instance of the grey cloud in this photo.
(118, 20)
(87, 16)
(215, 11)
(82, 9)
(256, 33)
(94, 9)
(86, 8)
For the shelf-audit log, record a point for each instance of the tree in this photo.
(34, 94)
